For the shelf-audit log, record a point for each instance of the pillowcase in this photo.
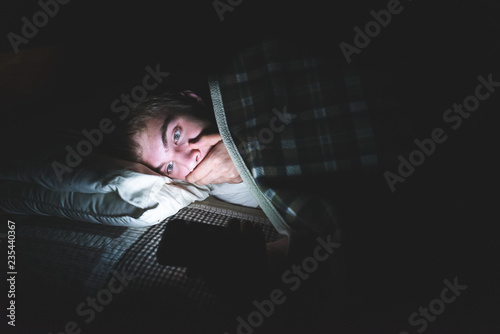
(103, 190)
(234, 193)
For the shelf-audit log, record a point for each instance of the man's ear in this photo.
(193, 95)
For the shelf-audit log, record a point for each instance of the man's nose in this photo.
(188, 157)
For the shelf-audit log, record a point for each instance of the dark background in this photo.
(399, 247)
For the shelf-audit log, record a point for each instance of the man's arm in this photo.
(217, 166)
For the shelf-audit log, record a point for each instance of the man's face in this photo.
(165, 145)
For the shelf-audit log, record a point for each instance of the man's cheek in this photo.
(181, 173)
(180, 176)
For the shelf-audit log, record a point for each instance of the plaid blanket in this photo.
(293, 117)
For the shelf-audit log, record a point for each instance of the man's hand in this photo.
(217, 166)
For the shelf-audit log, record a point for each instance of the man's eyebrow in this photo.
(163, 131)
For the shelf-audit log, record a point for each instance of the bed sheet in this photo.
(63, 263)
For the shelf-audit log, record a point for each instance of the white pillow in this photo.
(104, 190)
(234, 193)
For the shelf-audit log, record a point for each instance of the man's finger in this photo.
(207, 179)
(205, 174)
(197, 175)
(210, 176)
(207, 140)
(223, 179)
(201, 171)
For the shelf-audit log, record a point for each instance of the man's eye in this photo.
(170, 167)
(177, 135)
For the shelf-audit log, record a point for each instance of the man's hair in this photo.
(121, 144)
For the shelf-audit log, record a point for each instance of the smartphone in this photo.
(189, 243)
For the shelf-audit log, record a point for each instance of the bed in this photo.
(62, 262)
(75, 234)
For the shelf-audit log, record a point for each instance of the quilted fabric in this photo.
(81, 259)
(294, 116)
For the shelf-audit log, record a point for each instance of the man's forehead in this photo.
(150, 141)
